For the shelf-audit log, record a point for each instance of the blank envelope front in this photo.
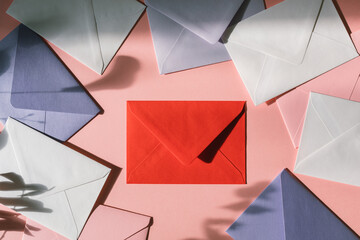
(287, 45)
(186, 142)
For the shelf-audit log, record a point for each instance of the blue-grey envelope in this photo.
(186, 34)
(38, 90)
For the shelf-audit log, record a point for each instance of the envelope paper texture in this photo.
(342, 82)
(89, 30)
(287, 210)
(114, 224)
(329, 147)
(186, 34)
(186, 142)
(288, 45)
(46, 181)
(38, 90)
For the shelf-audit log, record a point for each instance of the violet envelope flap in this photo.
(82, 27)
(178, 49)
(73, 180)
(207, 19)
(330, 129)
(178, 151)
(38, 90)
(323, 27)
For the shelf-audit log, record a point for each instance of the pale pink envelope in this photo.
(342, 82)
(113, 224)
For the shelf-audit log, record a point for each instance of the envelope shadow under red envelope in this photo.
(186, 142)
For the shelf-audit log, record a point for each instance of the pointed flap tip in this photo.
(282, 31)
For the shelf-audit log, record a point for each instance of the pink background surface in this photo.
(190, 212)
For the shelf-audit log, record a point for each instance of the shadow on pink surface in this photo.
(246, 196)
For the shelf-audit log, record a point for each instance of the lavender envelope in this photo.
(186, 34)
(38, 90)
(287, 210)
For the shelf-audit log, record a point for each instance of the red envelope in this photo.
(186, 142)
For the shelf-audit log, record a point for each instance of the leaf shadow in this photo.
(11, 221)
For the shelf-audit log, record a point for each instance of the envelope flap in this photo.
(114, 20)
(206, 18)
(264, 217)
(46, 161)
(112, 223)
(282, 31)
(40, 79)
(186, 128)
(68, 24)
(326, 119)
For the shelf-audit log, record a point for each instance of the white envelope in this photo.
(330, 142)
(89, 30)
(287, 45)
(49, 182)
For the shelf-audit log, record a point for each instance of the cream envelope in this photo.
(330, 143)
(89, 30)
(287, 45)
(47, 181)
(115, 224)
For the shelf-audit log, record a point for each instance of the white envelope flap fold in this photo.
(46, 161)
(327, 118)
(68, 24)
(81, 200)
(114, 20)
(337, 161)
(330, 25)
(282, 31)
(206, 18)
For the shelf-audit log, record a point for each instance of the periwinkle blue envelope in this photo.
(175, 27)
(38, 90)
(287, 210)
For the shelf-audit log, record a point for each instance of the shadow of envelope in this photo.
(186, 142)
(284, 46)
(112, 224)
(178, 46)
(342, 82)
(330, 141)
(73, 180)
(90, 31)
(33, 88)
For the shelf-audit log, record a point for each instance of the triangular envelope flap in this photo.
(40, 79)
(114, 20)
(186, 128)
(119, 222)
(70, 124)
(282, 31)
(48, 162)
(326, 118)
(263, 219)
(337, 161)
(306, 217)
(178, 48)
(206, 18)
(82, 199)
(329, 24)
(69, 24)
